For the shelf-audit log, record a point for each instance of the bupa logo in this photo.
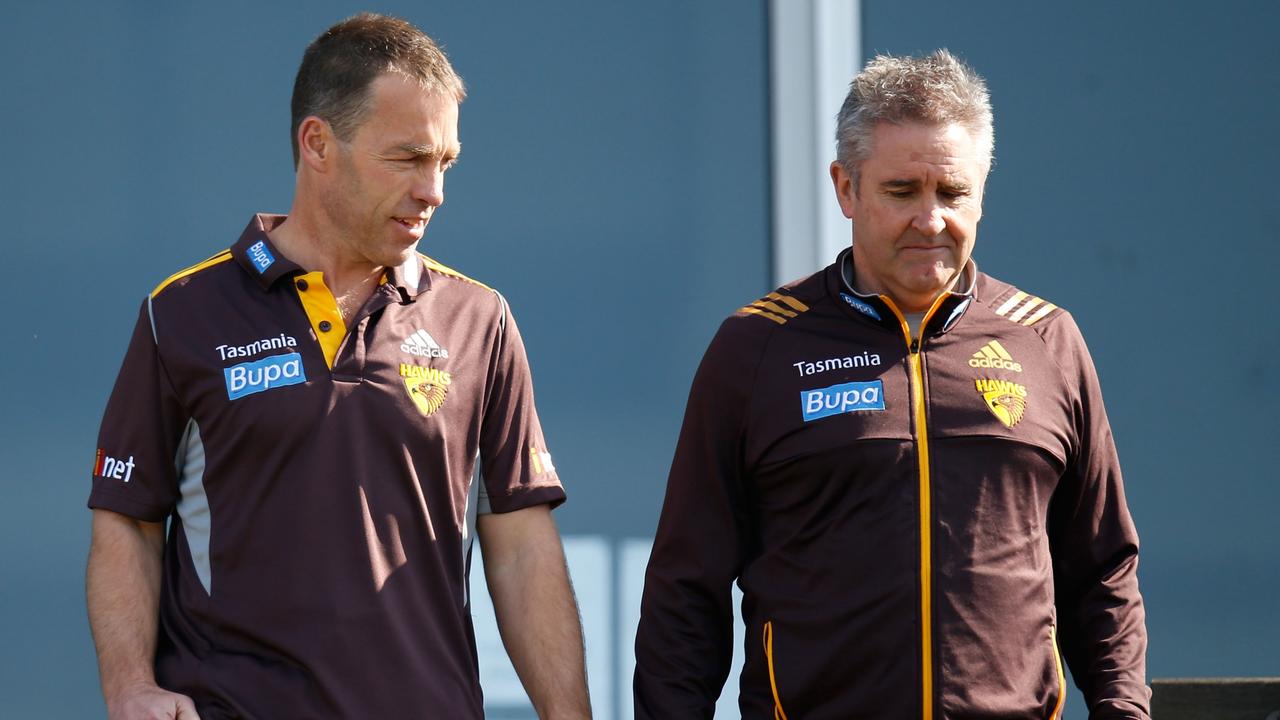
(860, 306)
(262, 375)
(260, 256)
(842, 398)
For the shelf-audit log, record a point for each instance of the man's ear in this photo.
(846, 191)
(316, 143)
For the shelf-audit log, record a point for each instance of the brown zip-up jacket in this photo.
(921, 527)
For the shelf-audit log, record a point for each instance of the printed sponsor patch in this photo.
(279, 342)
(262, 375)
(105, 466)
(842, 398)
(847, 362)
(427, 387)
(860, 306)
(540, 460)
(260, 256)
(1006, 400)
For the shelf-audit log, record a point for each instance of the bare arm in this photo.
(122, 586)
(537, 614)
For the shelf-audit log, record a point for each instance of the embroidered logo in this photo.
(1006, 400)
(993, 355)
(427, 387)
(420, 343)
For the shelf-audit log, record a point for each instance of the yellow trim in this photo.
(1008, 304)
(433, 265)
(1039, 314)
(1062, 677)
(764, 313)
(319, 304)
(926, 539)
(926, 502)
(1026, 308)
(778, 713)
(221, 257)
(775, 307)
(788, 300)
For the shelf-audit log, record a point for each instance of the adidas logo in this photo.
(993, 355)
(423, 345)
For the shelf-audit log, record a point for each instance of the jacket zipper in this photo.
(778, 714)
(914, 347)
(1062, 678)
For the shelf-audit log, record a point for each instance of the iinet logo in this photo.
(108, 467)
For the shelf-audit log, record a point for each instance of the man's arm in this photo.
(537, 614)
(684, 640)
(1101, 617)
(122, 586)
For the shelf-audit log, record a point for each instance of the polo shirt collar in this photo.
(260, 258)
(410, 278)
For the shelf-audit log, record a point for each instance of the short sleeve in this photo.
(515, 462)
(134, 470)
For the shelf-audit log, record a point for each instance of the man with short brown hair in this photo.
(325, 418)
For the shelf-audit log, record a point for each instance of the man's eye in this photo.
(900, 193)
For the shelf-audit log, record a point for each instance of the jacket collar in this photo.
(881, 310)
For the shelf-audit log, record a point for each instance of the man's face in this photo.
(389, 178)
(915, 210)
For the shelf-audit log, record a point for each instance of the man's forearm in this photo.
(122, 587)
(536, 611)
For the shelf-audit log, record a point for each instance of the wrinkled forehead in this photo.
(917, 150)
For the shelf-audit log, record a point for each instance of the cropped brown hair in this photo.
(339, 67)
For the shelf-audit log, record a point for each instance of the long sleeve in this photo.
(1102, 622)
(685, 636)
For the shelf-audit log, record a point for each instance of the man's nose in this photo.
(929, 220)
(428, 186)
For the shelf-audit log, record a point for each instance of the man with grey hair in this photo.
(326, 419)
(903, 462)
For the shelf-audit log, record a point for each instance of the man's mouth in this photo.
(412, 223)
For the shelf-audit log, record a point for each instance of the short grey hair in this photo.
(936, 89)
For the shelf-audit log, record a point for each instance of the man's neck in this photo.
(300, 239)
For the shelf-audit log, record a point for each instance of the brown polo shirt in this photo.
(318, 480)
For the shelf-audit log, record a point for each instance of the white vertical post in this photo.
(815, 49)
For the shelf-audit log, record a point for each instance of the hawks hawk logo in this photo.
(1006, 400)
(427, 387)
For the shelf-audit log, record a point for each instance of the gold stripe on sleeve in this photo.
(1011, 302)
(221, 257)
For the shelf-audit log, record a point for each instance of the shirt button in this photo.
(302, 284)
(325, 326)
